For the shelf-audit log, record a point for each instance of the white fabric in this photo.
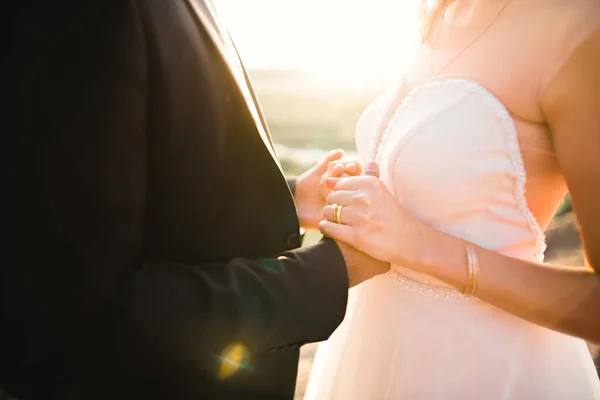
(452, 158)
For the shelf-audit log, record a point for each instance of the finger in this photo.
(335, 169)
(330, 183)
(350, 168)
(347, 215)
(341, 197)
(351, 183)
(353, 168)
(341, 168)
(322, 166)
(328, 212)
(372, 169)
(336, 231)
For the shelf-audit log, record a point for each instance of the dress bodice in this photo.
(451, 156)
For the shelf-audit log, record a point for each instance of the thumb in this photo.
(321, 167)
(372, 169)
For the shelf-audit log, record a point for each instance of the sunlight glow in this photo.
(344, 39)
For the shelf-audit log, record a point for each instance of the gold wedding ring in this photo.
(337, 213)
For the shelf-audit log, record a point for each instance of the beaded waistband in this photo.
(435, 292)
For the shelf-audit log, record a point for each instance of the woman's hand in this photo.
(373, 221)
(311, 193)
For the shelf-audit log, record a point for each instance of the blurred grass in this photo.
(565, 207)
(308, 111)
(311, 237)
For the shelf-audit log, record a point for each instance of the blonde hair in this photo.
(431, 13)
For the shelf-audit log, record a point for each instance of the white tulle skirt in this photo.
(398, 342)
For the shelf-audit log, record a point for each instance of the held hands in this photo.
(371, 219)
(311, 193)
(361, 266)
(312, 190)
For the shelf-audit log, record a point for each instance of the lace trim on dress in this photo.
(516, 158)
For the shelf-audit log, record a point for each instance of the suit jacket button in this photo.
(293, 241)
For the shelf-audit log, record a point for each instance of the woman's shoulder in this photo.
(562, 26)
(572, 21)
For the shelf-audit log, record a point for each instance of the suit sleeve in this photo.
(80, 120)
(263, 305)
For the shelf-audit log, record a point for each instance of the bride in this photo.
(501, 90)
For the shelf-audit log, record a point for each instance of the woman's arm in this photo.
(566, 299)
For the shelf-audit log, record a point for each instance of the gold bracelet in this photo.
(473, 269)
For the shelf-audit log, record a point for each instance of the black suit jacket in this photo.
(151, 226)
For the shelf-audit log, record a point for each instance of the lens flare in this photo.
(233, 358)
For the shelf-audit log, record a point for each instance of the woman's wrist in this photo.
(441, 256)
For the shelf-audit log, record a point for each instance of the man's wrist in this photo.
(356, 274)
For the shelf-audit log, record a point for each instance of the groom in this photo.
(155, 249)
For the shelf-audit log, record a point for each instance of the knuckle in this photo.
(363, 219)
(323, 227)
(366, 200)
(371, 218)
(366, 218)
(361, 198)
(330, 198)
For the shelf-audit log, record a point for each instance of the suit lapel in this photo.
(229, 53)
(253, 94)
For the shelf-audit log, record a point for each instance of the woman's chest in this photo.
(452, 139)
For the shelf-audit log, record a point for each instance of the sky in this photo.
(344, 37)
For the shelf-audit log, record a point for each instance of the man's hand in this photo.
(311, 193)
(360, 266)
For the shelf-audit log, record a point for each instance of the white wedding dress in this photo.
(451, 156)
